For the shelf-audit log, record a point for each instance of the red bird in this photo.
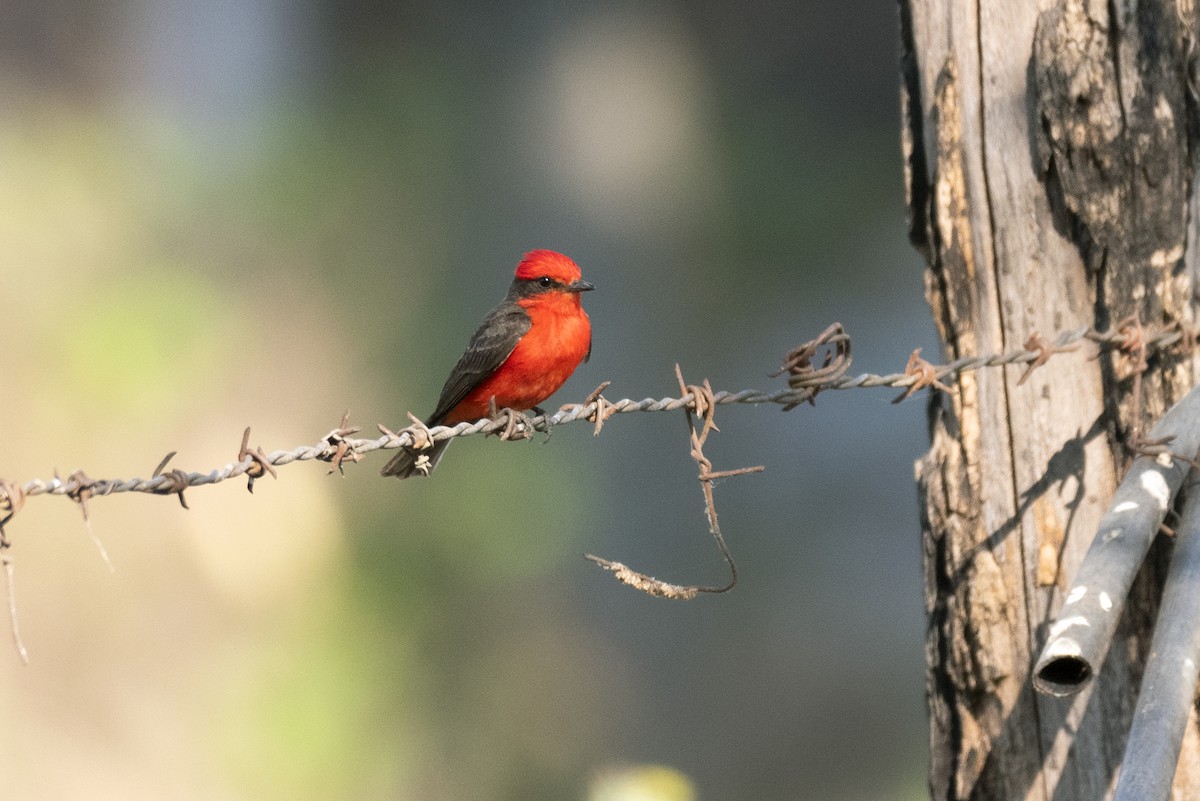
(520, 355)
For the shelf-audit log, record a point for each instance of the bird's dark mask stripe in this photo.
(529, 287)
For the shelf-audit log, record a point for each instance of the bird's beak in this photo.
(580, 286)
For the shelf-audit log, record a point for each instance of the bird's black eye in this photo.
(545, 281)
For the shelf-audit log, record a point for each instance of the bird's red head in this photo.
(556, 266)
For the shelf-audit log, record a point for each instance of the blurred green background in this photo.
(217, 214)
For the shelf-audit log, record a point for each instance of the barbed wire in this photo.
(805, 381)
(705, 409)
(816, 366)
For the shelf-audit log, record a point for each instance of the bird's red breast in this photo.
(520, 355)
(558, 340)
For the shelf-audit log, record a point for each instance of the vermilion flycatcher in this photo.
(520, 355)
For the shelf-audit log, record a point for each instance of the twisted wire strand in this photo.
(805, 380)
(802, 390)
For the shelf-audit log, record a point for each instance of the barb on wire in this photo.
(1133, 346)
(259, 466)
(603, 408)
(923, 374)
(703, 407)
(1044, 350)
(344, 450)
(84, 489)
(419, 439)
(1135, 342)
(176, 481)
(798, 364)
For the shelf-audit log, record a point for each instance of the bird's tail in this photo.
(404, 463)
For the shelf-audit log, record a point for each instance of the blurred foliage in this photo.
(643, 783)
(217, 216)
(118, 349)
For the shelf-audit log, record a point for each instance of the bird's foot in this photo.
(547, 422)
(517, 425)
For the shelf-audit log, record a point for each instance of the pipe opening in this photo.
(1063, 675)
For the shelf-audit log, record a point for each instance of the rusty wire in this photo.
(704, 408)
(833, 346)
(805, 381)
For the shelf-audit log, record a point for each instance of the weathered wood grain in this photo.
(1049, 172)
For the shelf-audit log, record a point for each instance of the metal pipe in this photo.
(1169, 683)
(1080, 635)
